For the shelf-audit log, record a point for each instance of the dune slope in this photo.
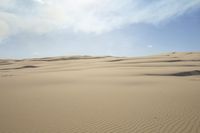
(155, 94)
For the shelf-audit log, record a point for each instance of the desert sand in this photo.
(83, 94)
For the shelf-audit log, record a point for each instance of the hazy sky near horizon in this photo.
(38, 28)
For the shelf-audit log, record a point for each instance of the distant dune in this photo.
(83, 94)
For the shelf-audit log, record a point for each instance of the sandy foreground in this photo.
(155, 94)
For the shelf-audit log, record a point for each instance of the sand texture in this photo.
(154, 94)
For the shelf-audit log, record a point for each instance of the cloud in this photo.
(87, 16)
(150, 46)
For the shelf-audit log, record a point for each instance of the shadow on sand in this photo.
(179, 74)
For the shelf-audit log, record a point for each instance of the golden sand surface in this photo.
(83, 94)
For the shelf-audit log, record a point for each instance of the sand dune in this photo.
(83, 94)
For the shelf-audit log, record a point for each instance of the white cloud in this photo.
(4, 29)
(150, 46)
(40, 1)
(88, 16)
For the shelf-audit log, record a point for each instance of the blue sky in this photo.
(39, 28)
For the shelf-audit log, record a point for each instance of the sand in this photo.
(83, 94)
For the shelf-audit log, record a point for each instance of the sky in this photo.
(41, 28)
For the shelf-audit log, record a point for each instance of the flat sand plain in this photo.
(83, 94)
